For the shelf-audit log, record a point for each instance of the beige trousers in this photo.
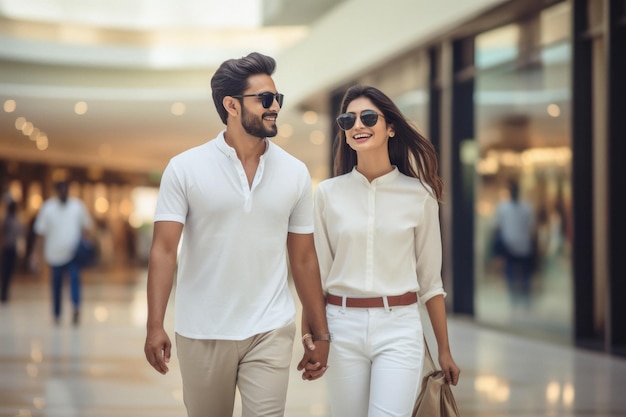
(258, 366)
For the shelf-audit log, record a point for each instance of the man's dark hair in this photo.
(58, 185)
(11, 207)
(63, 188)
(231, 78)
(514, 189)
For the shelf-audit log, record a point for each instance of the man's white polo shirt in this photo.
(62, 225)
(232, 269)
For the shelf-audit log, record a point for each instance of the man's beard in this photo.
(254, 126)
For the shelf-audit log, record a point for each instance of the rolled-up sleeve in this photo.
(428, 252)
(322, 242)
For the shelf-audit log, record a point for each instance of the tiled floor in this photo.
(98, 369)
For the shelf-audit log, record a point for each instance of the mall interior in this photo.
(104, 93)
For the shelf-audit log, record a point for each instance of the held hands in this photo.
(158, 349)
(449, 367)
(314, 361)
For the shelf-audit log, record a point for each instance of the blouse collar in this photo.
(391, 175)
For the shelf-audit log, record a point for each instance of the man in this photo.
(515, 223)
(244, 204)
(61, 223)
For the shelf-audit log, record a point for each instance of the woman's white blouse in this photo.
(378, 238)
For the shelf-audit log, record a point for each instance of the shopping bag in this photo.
(435, 397)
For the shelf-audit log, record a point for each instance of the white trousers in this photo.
(375, 361)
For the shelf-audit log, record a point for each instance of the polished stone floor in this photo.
(97, 369)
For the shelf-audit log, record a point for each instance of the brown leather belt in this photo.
(392, 300)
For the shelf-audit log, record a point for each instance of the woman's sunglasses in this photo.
(267, 99)
(368, 117)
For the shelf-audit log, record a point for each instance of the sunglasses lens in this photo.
(268, 99)
(346, 121)
(369, 118)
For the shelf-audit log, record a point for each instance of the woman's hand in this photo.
(311, 363)
(449, 367)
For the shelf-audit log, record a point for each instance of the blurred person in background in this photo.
(242, 204)
(515, 225)
(12, 231)
(378, 241)
(59, 227)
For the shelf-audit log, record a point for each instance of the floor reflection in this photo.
(97, 369)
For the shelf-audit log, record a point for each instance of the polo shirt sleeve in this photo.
(301, 218)
(172, 204)
(41, 225)
(429, 252)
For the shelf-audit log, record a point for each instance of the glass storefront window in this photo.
(497, 46)
(522, 100)
(406, 81)
(414, 105)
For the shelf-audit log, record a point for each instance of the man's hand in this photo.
(314, 361)
(158, 349)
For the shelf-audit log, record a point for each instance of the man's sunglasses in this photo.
(267, 99)
(368, 117)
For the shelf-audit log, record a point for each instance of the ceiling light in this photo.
(34, 134)
(27, 128)
(554, 110)
(42, 142)
(178, 108)
(80, 108)
(285, 130)
(9, 106)
(20, 122)
(309, 117)
(317, 137)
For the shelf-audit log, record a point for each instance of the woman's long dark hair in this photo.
(411, 152)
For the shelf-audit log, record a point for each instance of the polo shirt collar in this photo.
(390, 176)
(230, 152)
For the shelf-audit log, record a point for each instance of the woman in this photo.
(378, 241)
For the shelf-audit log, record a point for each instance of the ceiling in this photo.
(124, 86)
